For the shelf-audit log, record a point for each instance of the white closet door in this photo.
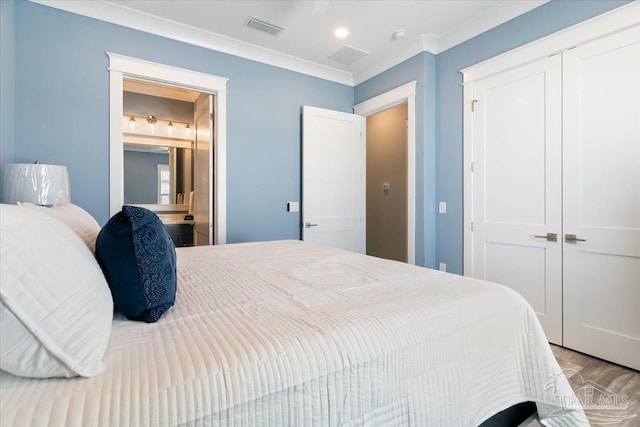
(602, 198)
(517, 185)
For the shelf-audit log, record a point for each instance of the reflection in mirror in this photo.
(155, 174)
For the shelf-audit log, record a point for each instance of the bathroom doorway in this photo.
(123, 68)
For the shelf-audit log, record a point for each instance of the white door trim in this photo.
(121, 67)
(599, 26)
(400, 95)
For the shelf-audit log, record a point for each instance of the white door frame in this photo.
(614, 20)
(400, 95)
(121, 67)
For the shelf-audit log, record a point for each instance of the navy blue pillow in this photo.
(139, 261)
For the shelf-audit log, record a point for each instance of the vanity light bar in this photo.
(151, 125)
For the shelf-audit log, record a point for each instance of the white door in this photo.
(203, 171)
(602, 198)
(517, 185)
(333, 179)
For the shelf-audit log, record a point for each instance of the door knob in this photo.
(572, 238)
(309, 225)
(551, 237)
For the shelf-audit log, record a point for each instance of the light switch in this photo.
(293, 207)
(442, 207)
(386, 186)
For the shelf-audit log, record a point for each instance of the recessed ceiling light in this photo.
(341, 32)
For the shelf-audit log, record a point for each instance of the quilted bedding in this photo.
(293, 334)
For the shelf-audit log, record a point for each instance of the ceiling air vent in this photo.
(348, 55)
(263, 26)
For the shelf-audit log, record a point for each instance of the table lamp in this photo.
(43, 185)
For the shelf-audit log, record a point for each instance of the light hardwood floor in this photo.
(609, 384)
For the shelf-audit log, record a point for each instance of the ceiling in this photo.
(307, 39)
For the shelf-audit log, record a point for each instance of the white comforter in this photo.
(293, 334)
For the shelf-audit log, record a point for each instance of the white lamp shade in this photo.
(35, 183)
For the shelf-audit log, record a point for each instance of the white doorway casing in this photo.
(402, 94)
(121, 67)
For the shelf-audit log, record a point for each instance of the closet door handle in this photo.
(309, 225)
(551, 237)
(572, 238)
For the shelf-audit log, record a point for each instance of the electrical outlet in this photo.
(442, 266)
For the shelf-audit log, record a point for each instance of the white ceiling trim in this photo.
(130, 18)
(497, 15)
(430, 42)
(116, 14)
(388, 62)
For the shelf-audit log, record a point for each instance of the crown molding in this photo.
(430, 43)
(387, 63)
(116, 14)
(497, 15)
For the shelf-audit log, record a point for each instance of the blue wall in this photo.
(62, 114)
(421, 68)
(539, 22)
(7, 81)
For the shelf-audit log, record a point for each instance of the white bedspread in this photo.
(293, 334)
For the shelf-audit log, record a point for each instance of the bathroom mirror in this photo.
(159, 174)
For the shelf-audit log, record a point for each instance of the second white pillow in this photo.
(74, 217)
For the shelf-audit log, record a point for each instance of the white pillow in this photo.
(76, 218)
(56, 307)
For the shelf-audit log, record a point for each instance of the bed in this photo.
(289, 333)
